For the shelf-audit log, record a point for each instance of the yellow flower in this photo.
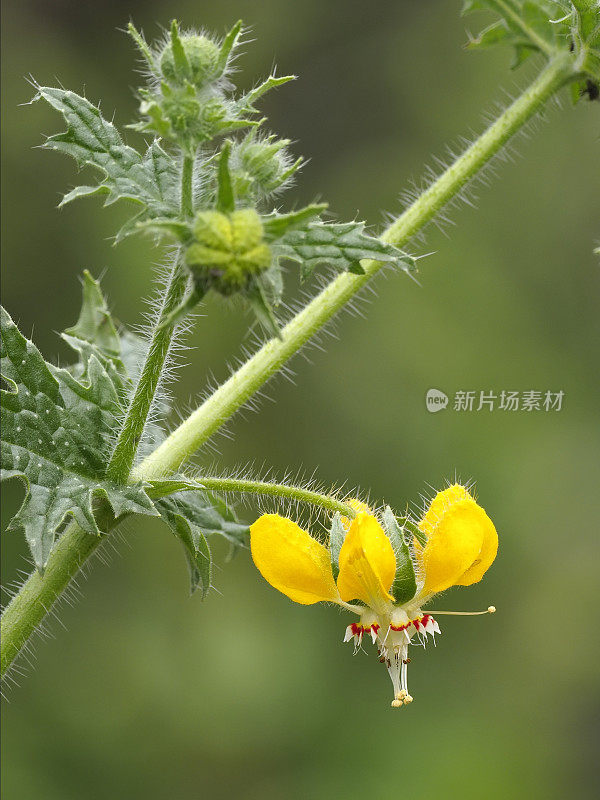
(367, 563)
(291, 560)
(460, 544)
(357, 506)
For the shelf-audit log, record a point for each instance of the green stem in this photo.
(38, 594)
(280, 490)
(187, 171)
(217, 409)
(130, 435)
(28, 608)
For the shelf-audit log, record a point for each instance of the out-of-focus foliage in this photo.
(547, 27)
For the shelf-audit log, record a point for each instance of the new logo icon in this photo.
(435, 400)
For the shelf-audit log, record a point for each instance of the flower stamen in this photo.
(489, 610)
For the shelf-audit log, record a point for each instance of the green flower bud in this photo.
(261, 165)
(202, 56)
(229, 249)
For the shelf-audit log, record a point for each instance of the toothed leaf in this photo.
(272, 282)
(227, 47)
(151, 179)
(58, 425)
(202, 508)
(527, 26)
(276, 225)
(195, 547)
(181, 231)
(95, 324)
(193, 514)
(257, 297)
(341, 245)
(246, 103)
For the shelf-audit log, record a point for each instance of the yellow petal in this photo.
(461, 541)
(440, 504)
(487, 554)
(367, 563)
(358, 506)
(291, 560)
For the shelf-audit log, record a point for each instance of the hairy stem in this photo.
(280, 490)
(38, 594)
(128, 440)
(187, 172)
(28, 608)
(215, 411)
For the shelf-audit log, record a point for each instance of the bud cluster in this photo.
(228, 250)
(233, 241)
(186, 97)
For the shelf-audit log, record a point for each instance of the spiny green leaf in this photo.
(272, 282)
(258, 298)
(95, 334)
(586, 36)
(142, 46)
(276, 225)
(340, 244)
(193, 514)
(246, 103)
(588, 19)
(404, 587)
(181, 231)
(527, 26)
(202, 508)
(195, 547)
(550, 27)
(95, 324)
(151, 180)
(229, 43)
(182, 65)
(57, 429)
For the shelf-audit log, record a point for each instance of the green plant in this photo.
(89, 440)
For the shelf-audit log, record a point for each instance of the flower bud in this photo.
(228, 249)
(261, 165)
(201, 55)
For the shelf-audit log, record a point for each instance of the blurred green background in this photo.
(148, 694)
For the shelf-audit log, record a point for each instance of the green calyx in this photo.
(180, 114)
(228, 249)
